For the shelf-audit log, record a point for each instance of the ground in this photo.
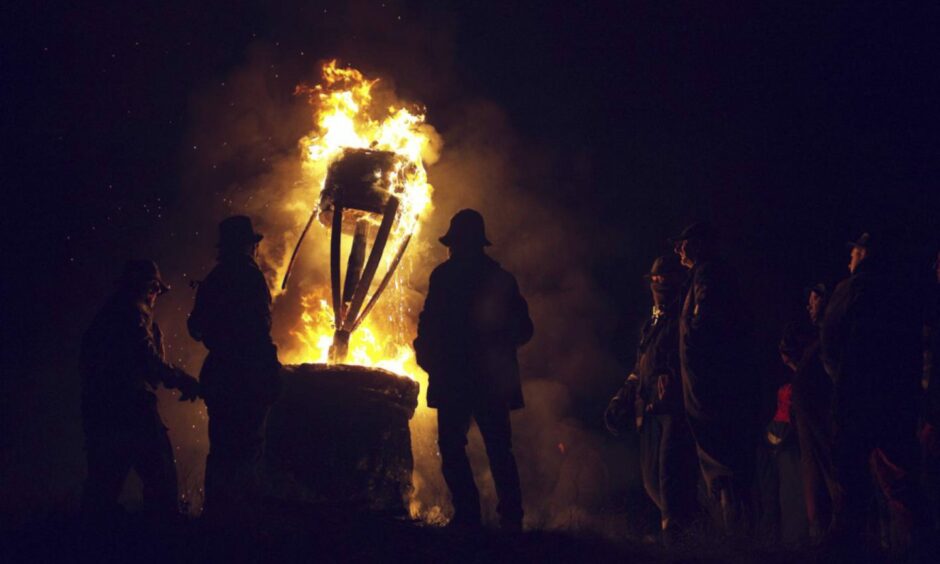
(330, 534)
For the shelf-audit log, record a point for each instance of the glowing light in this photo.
(346, 115)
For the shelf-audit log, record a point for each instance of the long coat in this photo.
(122, 362)
(232, 317)
(658, 355)
(719, 383)
(473, 321)
(870, 346)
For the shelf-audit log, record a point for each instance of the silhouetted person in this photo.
(812, 410)
(652, 397)
(782, 511)
(870, 346)
(473, 321)
(719, 384)
(232, 317)
(930, 429)
(122, 363)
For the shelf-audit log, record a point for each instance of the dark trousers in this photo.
(236, 445)
(453, 423)
(815, 441)
(725, 456)
(669, 467)
(782, 513)
(143, 447)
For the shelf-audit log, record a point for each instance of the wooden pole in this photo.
(384, 283)
(293, 255)
(335, 252)
(357, 257)
(375, 256)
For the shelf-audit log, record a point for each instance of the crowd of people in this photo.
(854, 435)
(851, 452)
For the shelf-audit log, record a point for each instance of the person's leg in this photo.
(793, 522)
(815, 491)
(154, 463)
(236, 445)
(453, 423)
(650, 463)
(852, 485)
(768, 492)
(493, 420)
(108, 464)
(678, 475)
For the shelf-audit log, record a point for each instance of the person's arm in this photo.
(197, 321)
(429, 326)
(522, 328)
(833, 333)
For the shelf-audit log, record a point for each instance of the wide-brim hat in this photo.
(236, 231)
(863, 241)
(665, 265)
(142, 270)
(697, 230)
(466, 228)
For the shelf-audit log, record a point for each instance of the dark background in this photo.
(793, 129)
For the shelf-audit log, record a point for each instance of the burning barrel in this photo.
(340, 434)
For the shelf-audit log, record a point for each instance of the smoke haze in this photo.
(243, 157)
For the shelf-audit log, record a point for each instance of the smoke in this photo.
(243, 157)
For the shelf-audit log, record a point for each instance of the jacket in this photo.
(473, 321)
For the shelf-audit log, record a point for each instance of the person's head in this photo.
(466, 235)
(858, 252)
(694, 243)
(237, 237)
(793, 343)
(665, 277)
(141, 279)
(816, 302)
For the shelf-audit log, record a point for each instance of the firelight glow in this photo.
(347, 116)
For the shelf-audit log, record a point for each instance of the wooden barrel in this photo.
(339, 434)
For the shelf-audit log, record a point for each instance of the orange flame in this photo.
(346, 116)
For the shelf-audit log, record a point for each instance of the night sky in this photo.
(793, 129)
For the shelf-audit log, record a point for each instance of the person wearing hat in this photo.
(812, 414)
(858, 251)
(651, 398)
(240, 376)
(122, 363)
(719, 379)
(474, 319)
(870, 345)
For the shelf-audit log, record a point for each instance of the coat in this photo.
(871, 348)
(657, 356)
(474, 319)
(718, 379)
(122, 363)
(232, 317)
(720, 387)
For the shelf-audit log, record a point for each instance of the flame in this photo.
(346, 115)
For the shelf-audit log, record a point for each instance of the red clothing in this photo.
(784, 394)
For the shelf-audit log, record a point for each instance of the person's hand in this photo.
(188, 387)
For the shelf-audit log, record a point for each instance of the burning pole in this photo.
(362, 198)
(374, 190)
(340, 428)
